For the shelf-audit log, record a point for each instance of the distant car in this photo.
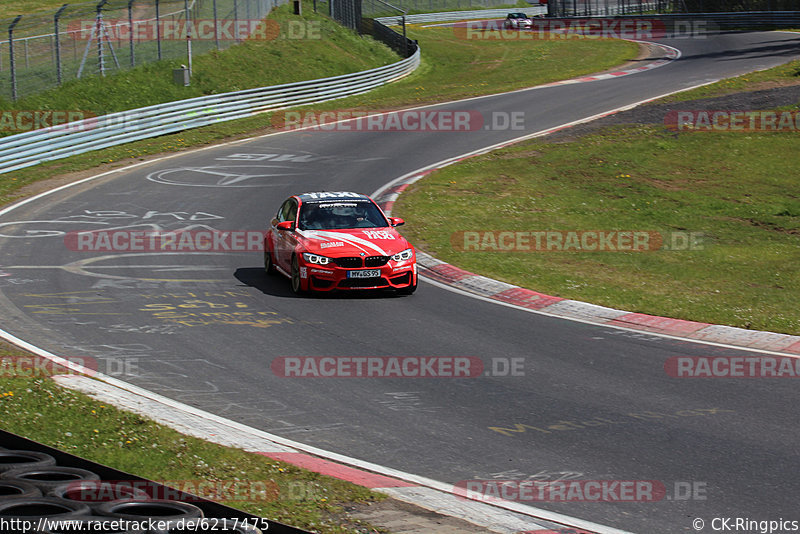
(518, 21)
(327, 241)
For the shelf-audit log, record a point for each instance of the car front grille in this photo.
(375, 261)
(349, 262)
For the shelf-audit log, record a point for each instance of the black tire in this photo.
(407, 290)
(163, 510)
(269, 267)
(41, 507)
(49, 478)
(296, 286)
(18, 489)
(22, 459)
(93, 493)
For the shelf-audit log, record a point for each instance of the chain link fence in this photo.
(587, 8)
(737, 6)
(608, 8)
(41, 51)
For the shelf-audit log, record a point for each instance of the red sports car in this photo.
(339, 240)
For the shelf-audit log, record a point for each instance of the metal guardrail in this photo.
(464, 15)
(57, 142)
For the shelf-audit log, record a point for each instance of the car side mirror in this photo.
(286, 225)
(396, 221)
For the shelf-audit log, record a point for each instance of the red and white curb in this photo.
(670, 54)
(506, 517)
(456, 278)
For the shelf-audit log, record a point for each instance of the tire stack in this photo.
(74, 495)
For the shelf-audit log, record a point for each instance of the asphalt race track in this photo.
(596, 402)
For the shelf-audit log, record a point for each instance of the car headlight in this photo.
(315, 258)
(403, 256)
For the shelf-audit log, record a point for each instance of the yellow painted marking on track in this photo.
(631, 417)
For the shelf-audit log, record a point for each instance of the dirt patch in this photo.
(402, 518)
(654, 114)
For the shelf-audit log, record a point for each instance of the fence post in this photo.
(216, 24)
(236, 18)
(11, 57)
(188, 35)
(100, 32)
(405, 39)
(56, 17)
(158, 29)
(130, 31)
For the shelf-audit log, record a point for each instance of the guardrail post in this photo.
(56, 17)
(11, 57)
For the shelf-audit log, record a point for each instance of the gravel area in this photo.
(764, 99)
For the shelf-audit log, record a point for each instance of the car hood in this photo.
(354, 242)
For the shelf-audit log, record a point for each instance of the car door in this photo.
(284, 240)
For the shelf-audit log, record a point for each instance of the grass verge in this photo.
(738, 190)
(29, 406)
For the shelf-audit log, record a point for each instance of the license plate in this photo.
(367, 273)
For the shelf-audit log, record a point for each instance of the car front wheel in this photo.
(408, 290)
(297, 288)
(269, 267)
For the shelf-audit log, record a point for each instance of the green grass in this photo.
(746, 204)
(37, 408)
(455, 67)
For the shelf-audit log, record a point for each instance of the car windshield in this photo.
(340, 215)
